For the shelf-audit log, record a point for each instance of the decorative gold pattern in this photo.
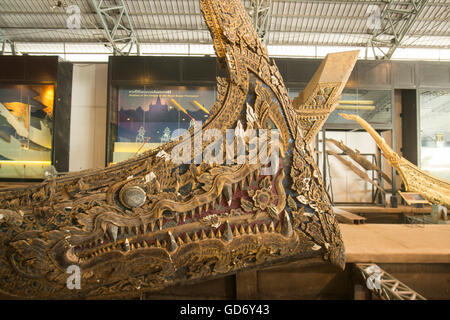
(194, 222)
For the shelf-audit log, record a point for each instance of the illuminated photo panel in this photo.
(26, 124)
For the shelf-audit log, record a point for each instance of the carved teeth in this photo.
(180, 241)
(203, 235)
(159, 224)
(228, 193)
(241, 230)
(219, 199)
(144, 244)
(183, 217)
(286, 229)
(235, 232)
(249, 230)
(211, 234)
(255, 229)
(227, 233)
(242, 184)
(207, 207)
(126, 245)
(194, 236)
(158, 244)
(144, 228)
(263, 228)
(234, 187)
(151, 226)
(172, 243)
(250, 179)
(278, 227)
(135, 230)
(271, 227)
(187, 239)
(219, 234)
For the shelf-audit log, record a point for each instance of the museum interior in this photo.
(225, 149)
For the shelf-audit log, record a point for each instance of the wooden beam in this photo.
(383, 210)
(348, 217)
(247, 285)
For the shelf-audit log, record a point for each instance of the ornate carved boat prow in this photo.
(432, 188)
(152, 222)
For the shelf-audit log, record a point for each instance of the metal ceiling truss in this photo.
(384, 285)
(6, 42)
(117, 26)
(260, 12)
(395, 24)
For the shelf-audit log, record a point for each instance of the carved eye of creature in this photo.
(168, 214)
(132, 196)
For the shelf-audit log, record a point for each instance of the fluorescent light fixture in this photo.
(355, 107)
(356, 102)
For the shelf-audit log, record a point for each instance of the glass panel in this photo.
(374, 106)
(147, 116)
(26, 124)
(435, 132)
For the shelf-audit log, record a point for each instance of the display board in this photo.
(26, 125)
(149, 116)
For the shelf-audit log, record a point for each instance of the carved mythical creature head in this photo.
(150, 222)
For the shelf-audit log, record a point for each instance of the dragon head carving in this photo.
(150, 222)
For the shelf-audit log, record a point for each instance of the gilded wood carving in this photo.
(148, 223)
(432, 188)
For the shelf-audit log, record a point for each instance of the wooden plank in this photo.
(247, 285)
(374, 209)
(348, 217)
(397, 243)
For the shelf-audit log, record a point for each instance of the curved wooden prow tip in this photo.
(432, 188)
(390, 154)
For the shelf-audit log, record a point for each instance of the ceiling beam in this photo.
(114, 19)
(260, 12)
(4, 42)
(394, 26)
(30, 31)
